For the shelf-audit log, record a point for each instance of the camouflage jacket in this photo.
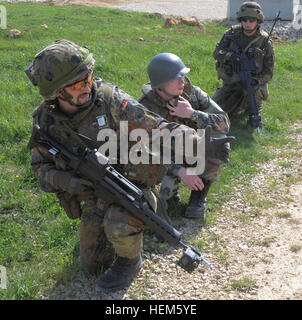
(258, 46)
(207, 112)
(101, 113)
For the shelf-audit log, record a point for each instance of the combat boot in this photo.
(120, 274)
(198, 202)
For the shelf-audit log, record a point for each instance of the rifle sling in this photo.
(251, 43)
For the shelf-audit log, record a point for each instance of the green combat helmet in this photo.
(165, 67)
(57, 65)
(250, 9)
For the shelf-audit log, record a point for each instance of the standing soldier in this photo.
(252, 40)
(77, 103)
(171, 95)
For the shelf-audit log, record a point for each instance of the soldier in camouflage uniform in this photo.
(248, 36)
(74, 101)
(171, 95)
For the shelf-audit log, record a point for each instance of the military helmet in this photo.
(57, 65)
(250, 9)
(165, 67)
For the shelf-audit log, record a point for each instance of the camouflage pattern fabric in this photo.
(207, 112)
(96, 252)
(47, 71)
(250, 9)
(124, 231)
(233, 98)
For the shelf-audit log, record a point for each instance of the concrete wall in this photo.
(269, 7)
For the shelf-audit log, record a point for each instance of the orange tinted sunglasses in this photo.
(81, 84)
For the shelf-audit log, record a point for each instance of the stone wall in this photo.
(270, 8)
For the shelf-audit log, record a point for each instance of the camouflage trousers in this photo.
(170, 183)
(110, 232)
(234, 99)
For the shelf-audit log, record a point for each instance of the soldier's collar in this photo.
(152, 95)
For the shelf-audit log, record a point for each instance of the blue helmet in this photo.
(165, 67)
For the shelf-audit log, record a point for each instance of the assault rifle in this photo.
(244, 66)
(110, 185)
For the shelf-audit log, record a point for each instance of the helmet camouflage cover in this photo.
(250, 9)
(57, 65)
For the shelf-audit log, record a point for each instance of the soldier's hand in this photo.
(217, 148)
(190, 180)
(183, 109)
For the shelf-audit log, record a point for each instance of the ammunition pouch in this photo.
(70, 204)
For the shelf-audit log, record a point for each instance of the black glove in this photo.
(69, 183)
(217, 148)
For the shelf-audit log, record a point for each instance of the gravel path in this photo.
(202, 9)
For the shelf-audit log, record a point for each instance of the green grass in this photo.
(38, 243)
(244, 284)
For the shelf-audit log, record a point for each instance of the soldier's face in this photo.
(80, 90)
(249, 25)
(175, 86)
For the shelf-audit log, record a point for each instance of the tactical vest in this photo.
(252, 46)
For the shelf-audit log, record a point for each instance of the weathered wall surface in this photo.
(270, 8)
